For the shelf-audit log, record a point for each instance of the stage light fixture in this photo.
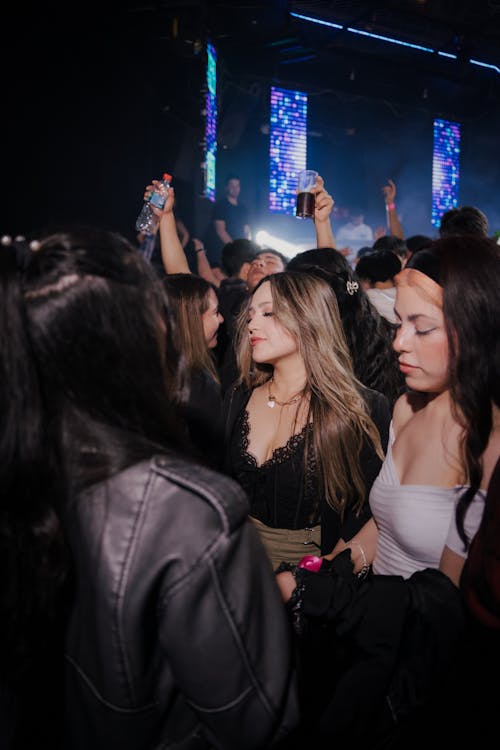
(287, 147)
(445, 168)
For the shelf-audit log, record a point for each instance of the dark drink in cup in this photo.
(305, 205)
(306, 181)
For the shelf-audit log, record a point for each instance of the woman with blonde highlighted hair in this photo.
(303, 436)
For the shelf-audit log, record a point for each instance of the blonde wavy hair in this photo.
(307, 308)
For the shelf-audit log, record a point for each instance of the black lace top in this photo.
(202, 414)
(284, 491)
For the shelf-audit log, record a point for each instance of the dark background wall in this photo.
(99, 103)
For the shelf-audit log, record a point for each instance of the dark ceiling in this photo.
(97, 88)
(262, 41)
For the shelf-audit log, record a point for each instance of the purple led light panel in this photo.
(287, 147)
(445, 168)
(211, 123)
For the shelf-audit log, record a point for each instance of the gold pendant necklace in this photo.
(272, 400)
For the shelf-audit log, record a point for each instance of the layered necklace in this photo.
(272, 400)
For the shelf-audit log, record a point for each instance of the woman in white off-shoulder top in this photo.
(398, 656)
(428, 498)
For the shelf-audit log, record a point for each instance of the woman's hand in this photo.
(168, 208)
(323, 201)
(389, 192)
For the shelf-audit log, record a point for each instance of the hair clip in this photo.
(352, 287)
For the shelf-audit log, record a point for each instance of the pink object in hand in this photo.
(311, 562)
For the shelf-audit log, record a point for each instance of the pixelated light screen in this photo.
(445, 168)
(211, 123)
(288, 147)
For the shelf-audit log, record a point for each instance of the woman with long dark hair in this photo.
(118, 550)
(195, 306)
(369, 335)
(403, 627)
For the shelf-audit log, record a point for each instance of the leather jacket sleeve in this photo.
(224, 632)
(177, 637)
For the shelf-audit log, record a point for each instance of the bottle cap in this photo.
(166, 177)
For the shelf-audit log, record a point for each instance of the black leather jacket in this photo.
(177, 628)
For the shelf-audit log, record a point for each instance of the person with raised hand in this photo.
(394, 225)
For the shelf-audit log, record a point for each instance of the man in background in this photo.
(376, 272)
(229, 222)
(464, 220)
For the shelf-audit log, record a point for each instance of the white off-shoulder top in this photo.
(415, 521)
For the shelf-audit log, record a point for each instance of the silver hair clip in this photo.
(352, 287)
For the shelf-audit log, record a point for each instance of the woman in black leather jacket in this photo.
(113, 541)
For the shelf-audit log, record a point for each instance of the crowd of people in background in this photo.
(250, 501)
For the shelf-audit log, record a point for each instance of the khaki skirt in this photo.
(289, 545)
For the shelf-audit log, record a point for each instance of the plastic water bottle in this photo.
(147, 221)
(147, 246)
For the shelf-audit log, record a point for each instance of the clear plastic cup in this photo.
(305, 199)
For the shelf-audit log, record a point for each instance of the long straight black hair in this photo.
(88, 375)
(469, 272)
(467, 267)
(369, 335)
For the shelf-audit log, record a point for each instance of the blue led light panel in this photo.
(445, 168)
(287, 148)
(211, 123)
